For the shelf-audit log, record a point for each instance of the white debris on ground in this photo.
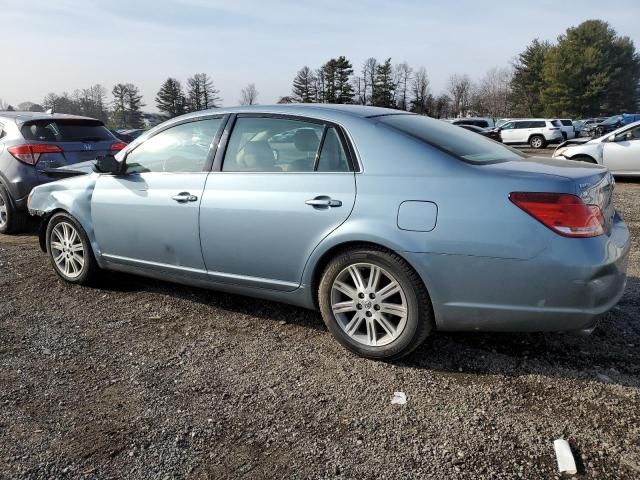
(398, 398)
(566, 462)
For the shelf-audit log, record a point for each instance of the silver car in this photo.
(393, 225)
(619, 150)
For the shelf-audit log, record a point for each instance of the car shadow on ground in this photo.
(611, 354)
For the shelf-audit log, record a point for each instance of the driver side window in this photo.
(183, 148)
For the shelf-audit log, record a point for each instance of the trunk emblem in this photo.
(87, 146)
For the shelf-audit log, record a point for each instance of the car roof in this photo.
(305, 108)
(22, 117)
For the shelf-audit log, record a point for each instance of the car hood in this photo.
(576, 141)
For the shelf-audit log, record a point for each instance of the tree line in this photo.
(589, 71)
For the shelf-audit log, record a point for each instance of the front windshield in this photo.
(468, 146)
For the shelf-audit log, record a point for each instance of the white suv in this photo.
(537, 132)
(568, 130)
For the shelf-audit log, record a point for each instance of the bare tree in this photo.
(402, 77)
(359, 90)
(369, 70)
(420, 92)
(249, 95)
(492, 94)
(460, 91)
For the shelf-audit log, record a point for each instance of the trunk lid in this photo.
(592, 183)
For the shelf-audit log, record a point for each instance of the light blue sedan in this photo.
(393, 225)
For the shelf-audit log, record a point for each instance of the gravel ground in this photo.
(143, 379)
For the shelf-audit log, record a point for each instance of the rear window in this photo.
(555, 123)
(65, 131)
(460, 143)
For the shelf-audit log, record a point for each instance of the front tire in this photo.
(70, 251)
(11, 220)
(537, 141)
(375, 304)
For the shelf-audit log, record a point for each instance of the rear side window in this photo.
(266, 144)
(333, 158)
(65, 131)
(537, 124)
(460, 143)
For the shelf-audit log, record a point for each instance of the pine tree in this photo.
(170, 98)
(343, 87)
(201, 93)
(383, 85)
(134, 106)
(304, 86)
(119, 111)
(528, 79)
(329, 77)
(591, 71)
(336, 78)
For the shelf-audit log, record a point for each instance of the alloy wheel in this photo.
(369, 304)
(67, 250)
(536, 143)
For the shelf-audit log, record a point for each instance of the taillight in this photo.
(30, 154)
(563, 213)
(116, 147)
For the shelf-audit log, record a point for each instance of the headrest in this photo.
(306, 140)
(257, 154)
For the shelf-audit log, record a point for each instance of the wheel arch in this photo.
(325, 257)
(44, 223)
(583, 157)
(540, 135)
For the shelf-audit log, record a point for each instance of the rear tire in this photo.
(70, 251)
(537, 141)
(375, 304)
(11, 220)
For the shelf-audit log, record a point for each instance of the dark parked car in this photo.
(32, 144)
(613, 123)
(122, 136)
(133, 133)
(491, 133)
(477, 122)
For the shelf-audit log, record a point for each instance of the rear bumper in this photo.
(566, 288)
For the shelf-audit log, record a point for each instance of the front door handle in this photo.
(323, 202)
(184, 197)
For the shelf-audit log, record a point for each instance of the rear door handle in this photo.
(323, 201)
(184, 197)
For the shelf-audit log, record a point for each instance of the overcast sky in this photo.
(62, 45)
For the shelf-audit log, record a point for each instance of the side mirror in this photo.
(611, 138)
(108, 164)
